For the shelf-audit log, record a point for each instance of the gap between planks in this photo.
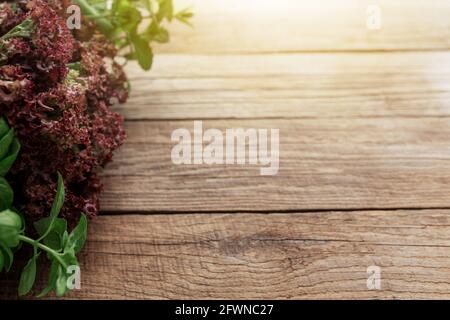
(266, 212)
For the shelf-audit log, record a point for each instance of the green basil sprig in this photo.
(133, 25)
(54, 239)
(60, 246)
(9, 149)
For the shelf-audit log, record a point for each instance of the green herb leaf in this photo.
(10, 219)
(129, 16)
(78, 236)
(155, 33)
(10, 228)
(56, 206)
(121, 25)
(69, 257)
(61, 282)
(28, 276)
(8, 161)
(4, 128)
(65, 237)
(51, 280)
(5, 142)
(52, 230)
(7, 256)
(59, 199)
(165, 10)
(6, 195)
(184, 16)
(104, 25)
(9, 236)
(143, 52)
(54, 238)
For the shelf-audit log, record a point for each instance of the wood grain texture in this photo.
(262, 26)
(324, 164)
(364, 125)
(288, 85)
(273, 256)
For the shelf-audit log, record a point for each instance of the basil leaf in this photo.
(56, 206)
(65, 237)
(8, 161)
(129, 16)
(59, 225)
(5, 142)
(54, 237)
(7, 255)
(10, 219)
(6, 194)
(10, 228)
(155, 33)
(77, 237)
(69, 257)
(3, 127)
(162, 36)
(51, 280)
(61, 282)
(59, 199)
(184, 16)
(165, 10)
(28, 277)
(143, 52)
(9, 236)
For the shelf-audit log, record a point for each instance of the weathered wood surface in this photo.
(412, 84)
(283, 256)
(267, 26)
(364, 166)
(324, 164)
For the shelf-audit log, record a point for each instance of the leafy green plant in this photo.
(9, 149)
(132, 25)
(54, 239)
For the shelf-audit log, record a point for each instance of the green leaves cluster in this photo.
(9, 149)
(54, 240)
(134, 24)
(59, 245)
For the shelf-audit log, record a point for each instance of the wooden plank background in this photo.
(364, 159)
(265, 26)
(266, 256)
(345, 163)
(323, 85)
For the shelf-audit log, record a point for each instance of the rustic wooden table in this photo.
(364, 119)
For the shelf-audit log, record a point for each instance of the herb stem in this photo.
(39, 245)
